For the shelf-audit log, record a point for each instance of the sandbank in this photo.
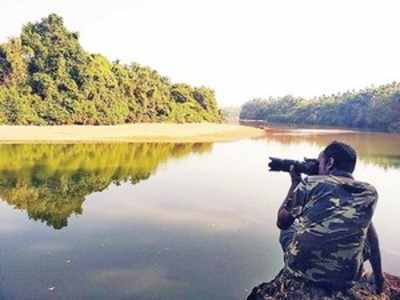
(135, 133)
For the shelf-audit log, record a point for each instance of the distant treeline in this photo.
(47, 78)
(231, 113)
(376, 108)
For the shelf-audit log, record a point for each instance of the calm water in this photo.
(163, 221)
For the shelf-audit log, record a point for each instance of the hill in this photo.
(47, 78)
(376, 108)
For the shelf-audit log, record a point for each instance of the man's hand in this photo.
(295, 177)
(380, 283)
(285, 219)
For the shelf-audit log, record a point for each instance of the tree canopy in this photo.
(46, 77)
(376, 108)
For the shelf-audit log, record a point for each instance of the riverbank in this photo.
(137, 133)
(285, 286)
(285, 127)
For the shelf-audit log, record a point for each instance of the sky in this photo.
(241, 49)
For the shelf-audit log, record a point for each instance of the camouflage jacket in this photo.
(332, 214)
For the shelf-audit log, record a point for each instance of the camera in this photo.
(309, 166)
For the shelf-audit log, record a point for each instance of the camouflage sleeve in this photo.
(299, 199)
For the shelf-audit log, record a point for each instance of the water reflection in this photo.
(202, 227)
(375, 148)
(51, 182)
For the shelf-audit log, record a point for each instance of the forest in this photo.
(374, 108)
(47, 78)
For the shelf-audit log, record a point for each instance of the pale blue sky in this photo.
(241, 49)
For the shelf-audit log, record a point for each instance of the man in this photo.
(326, 226)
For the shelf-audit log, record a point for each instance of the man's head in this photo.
(337, 156)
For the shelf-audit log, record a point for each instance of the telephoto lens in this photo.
(309, 166)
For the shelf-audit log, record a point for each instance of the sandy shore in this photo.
(143, 132)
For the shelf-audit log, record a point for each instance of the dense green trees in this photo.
(47, 78)
(376, 108)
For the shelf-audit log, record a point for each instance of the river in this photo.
(164, 221)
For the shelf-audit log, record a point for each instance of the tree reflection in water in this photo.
(51, 182)
(379, 149)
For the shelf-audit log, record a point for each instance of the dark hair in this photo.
(344, 156)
